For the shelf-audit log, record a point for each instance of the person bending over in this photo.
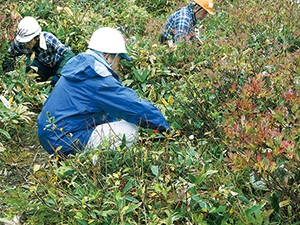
(50, 55)
(89, 106)
(182, 24)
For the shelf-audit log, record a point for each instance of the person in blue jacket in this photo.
(89, 106)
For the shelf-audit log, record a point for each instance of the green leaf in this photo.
(256, 208)
(127, 186)
(243, 198)
(154, 170)
(201, 177)
(128, 209)
(106, 213)
(79, 189)
(5, 133)
(192, 178)
(131, 199)
(219, 209)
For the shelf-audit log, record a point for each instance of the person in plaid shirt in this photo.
(181, 25)
(50, 54)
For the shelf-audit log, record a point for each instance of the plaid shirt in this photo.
(180, 25)
(48, 57)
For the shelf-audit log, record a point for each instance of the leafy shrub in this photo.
(132, 186)
(262, 132)
(22, 98)
(159, 7)
(233, 104)
(9, 19)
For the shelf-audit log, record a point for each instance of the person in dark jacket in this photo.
(182, 24)
(89, 106)
(50, 54)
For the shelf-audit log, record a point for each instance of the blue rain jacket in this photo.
(89, 94)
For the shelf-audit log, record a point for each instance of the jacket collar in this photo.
(99, 56)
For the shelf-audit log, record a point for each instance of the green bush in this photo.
(233, 104)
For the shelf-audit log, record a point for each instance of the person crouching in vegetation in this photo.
(182, 24)
(89, 107)
(50, 54)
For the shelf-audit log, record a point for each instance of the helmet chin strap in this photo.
(101, 54)
(110, 64)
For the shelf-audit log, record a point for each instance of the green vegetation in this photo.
(233, 104)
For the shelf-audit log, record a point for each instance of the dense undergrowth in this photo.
(233, 104)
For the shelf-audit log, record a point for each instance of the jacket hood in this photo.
(85, 66)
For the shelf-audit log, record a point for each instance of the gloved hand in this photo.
(157, 136)
(8, 64)
(164, 133)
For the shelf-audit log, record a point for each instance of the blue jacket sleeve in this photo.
(123, 103)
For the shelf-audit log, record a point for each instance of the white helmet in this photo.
(28, 28)
(109, 40)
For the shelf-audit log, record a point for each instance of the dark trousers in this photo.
(44, 72)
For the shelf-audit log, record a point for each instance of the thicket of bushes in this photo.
(233, 104)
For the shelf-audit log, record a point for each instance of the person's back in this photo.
(88, 97)
(70, 107)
